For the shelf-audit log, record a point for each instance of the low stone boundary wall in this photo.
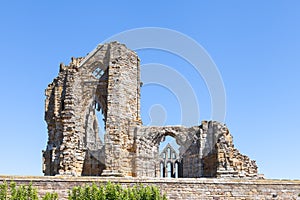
(192, 188)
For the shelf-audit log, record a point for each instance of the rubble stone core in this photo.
(108, 80)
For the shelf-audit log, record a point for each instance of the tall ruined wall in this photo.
(204, 189)
(123, 102)
(64, 152)
(106, 80)
(213, 155)
(220, 157)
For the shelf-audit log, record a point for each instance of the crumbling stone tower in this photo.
(108, 80)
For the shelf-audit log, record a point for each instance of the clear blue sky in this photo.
(255, 45)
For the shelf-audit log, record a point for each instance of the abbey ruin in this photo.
(107, 80)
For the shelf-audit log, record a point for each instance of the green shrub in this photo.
(115, 191)
(22, 192)
(3, 191)
(109, 191)
(50, 196)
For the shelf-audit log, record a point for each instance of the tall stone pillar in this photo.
(123, 109)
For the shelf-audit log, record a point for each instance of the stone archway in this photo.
(147, 159)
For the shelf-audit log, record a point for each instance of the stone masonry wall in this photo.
(204, 189)
(108, 80)
(123, 102)
(205, 151)
(219, 156)
(147, 140)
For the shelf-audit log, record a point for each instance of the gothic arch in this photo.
(151, 137)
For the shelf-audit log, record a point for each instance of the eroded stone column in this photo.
(123, 101)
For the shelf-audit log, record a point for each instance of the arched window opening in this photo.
(94, 161)
(162, 170)
(169, 158)
(176, 170)
(168, 140)
(169, 170)
(101, 125)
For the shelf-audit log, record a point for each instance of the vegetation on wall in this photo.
(109, 191)
(112, 191)
(13, 192)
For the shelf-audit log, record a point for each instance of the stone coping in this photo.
(150, 180)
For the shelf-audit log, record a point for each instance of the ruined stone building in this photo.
(107, 80)
(170, 163)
